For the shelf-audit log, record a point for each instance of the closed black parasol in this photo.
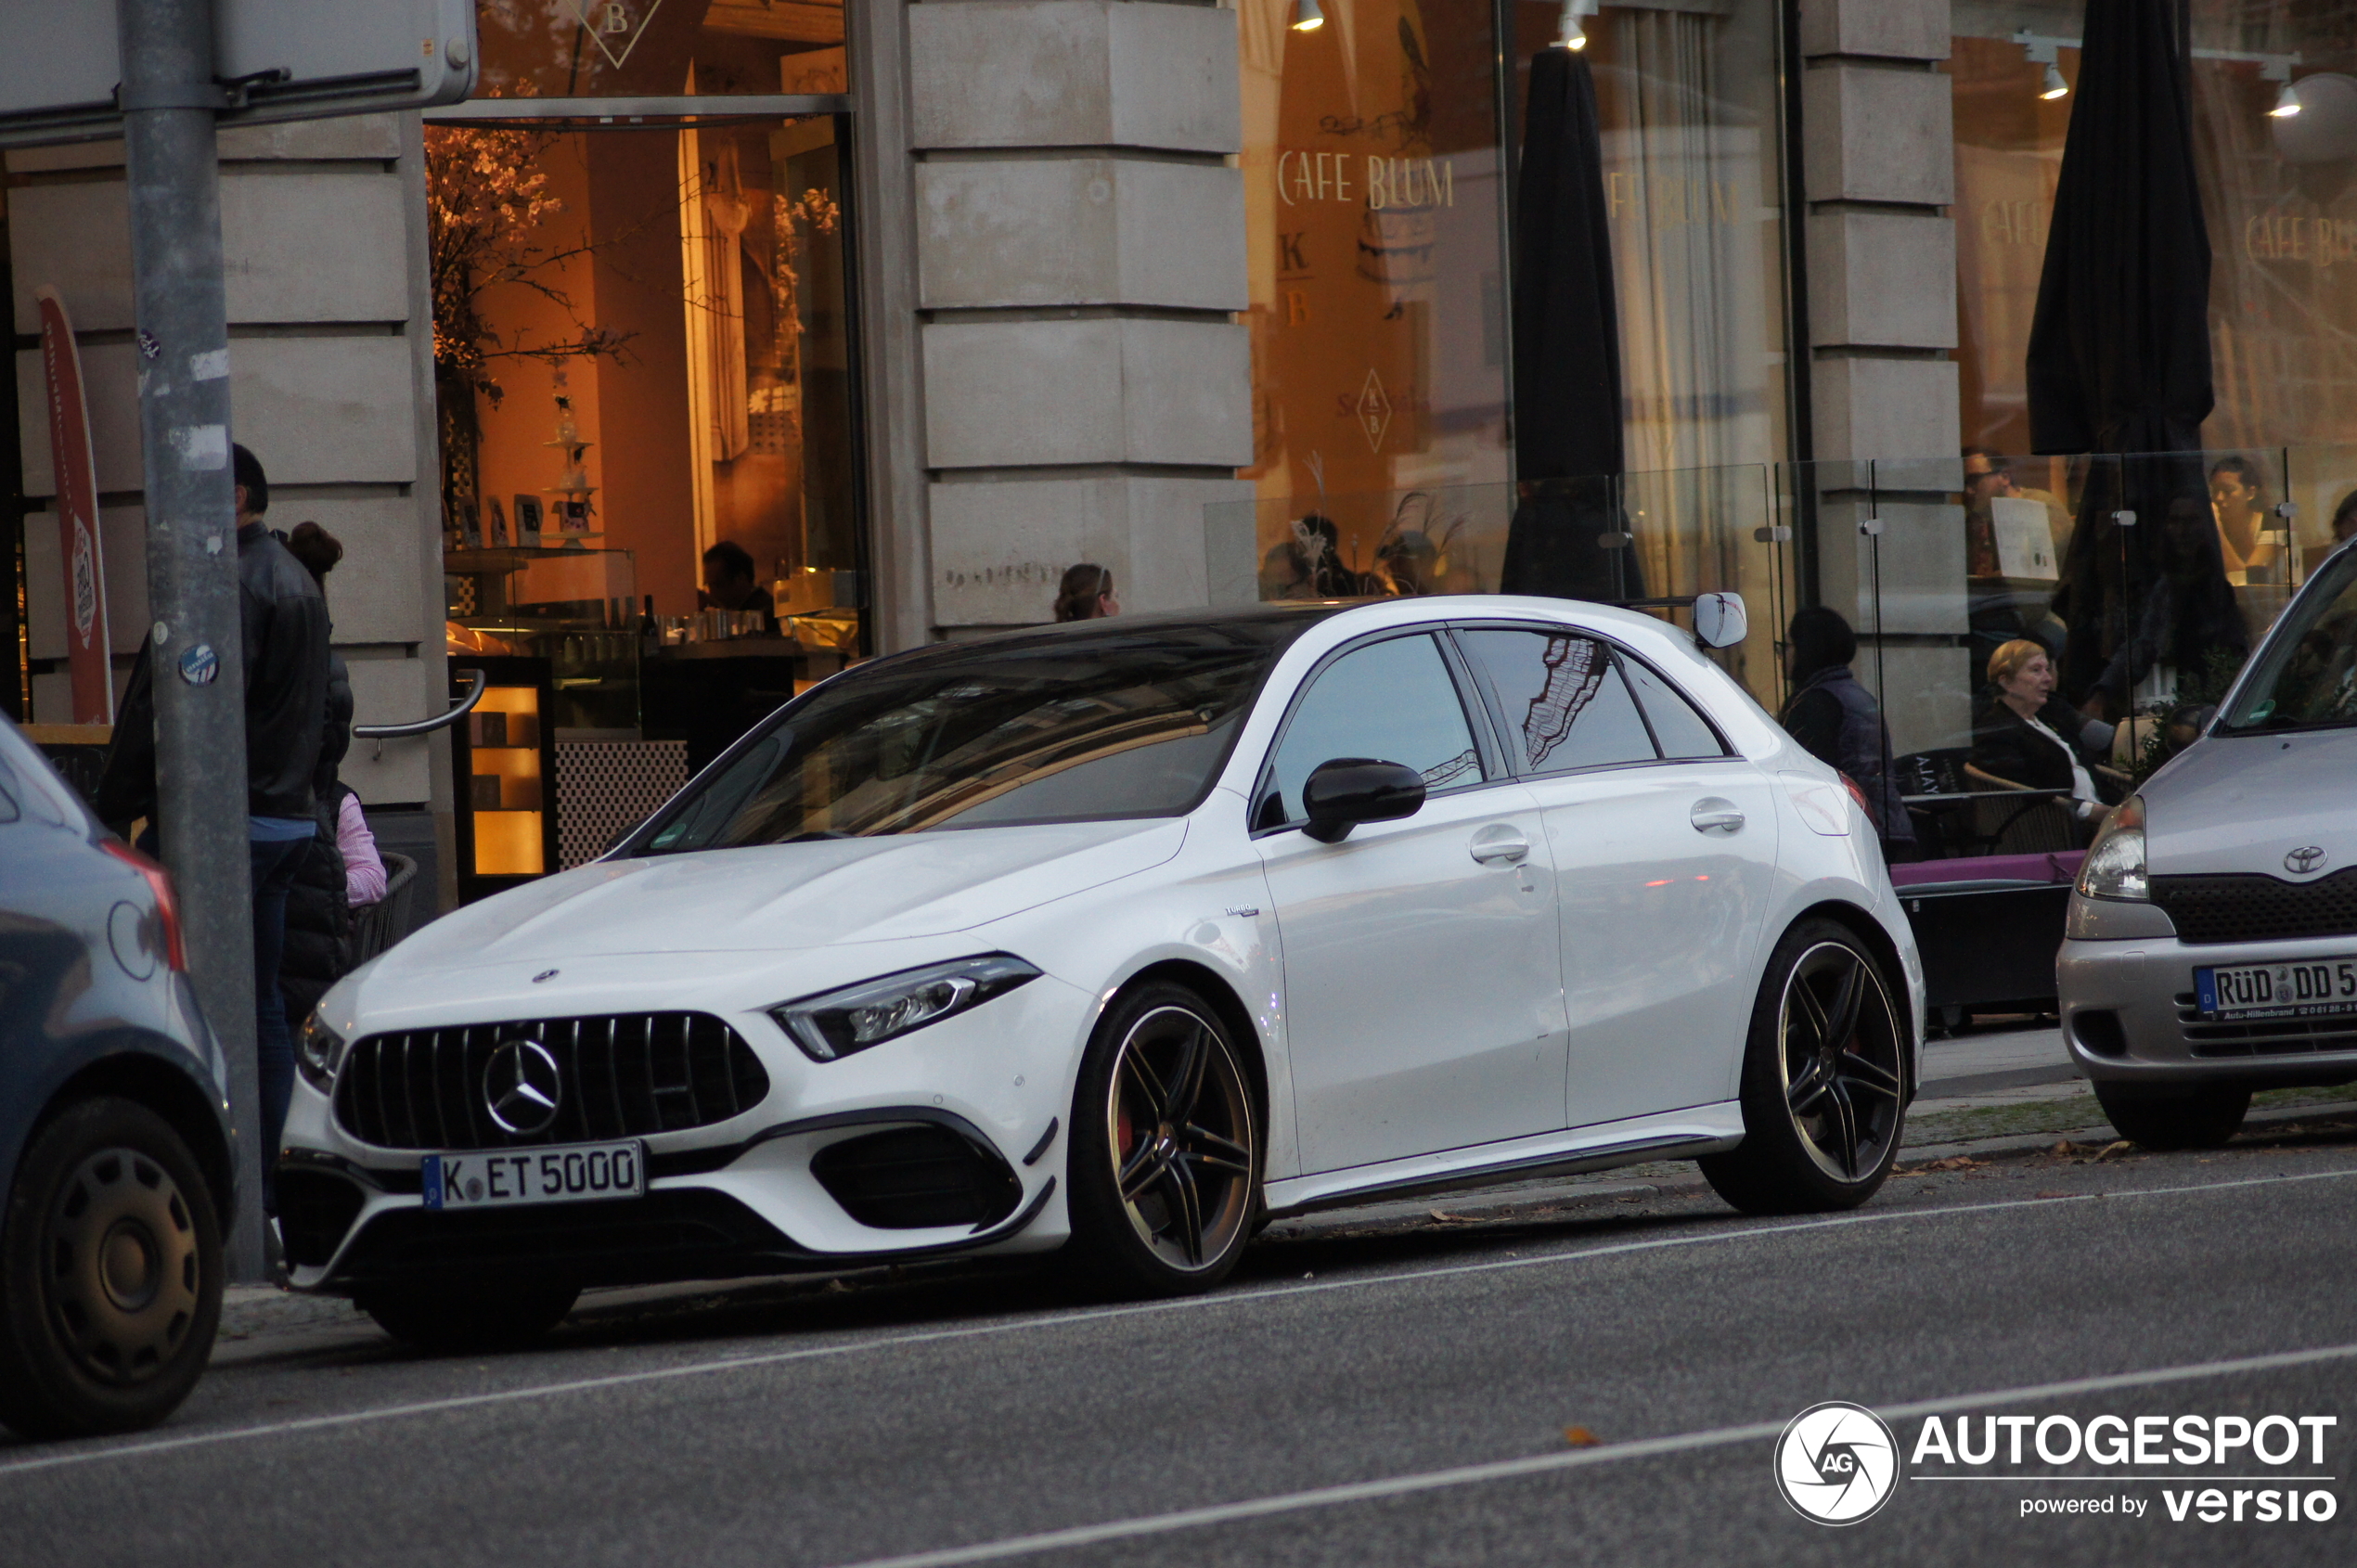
(1567, 402)
(2120, 354)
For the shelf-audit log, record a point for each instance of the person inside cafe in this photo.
(730, 584)
(2238, 498)
(2026, 737)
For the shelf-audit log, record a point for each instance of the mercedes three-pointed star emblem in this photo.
(2302, 861)
(521, 1086)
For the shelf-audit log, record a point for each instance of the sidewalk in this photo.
(1979, 1063)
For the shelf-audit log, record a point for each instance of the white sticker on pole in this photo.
(202, 447)
(210, 366)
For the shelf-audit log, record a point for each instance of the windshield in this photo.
(1120, 720)
(2307, 677)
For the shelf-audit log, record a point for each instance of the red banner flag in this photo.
(77, 479)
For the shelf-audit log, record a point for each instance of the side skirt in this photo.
(1676, 1135)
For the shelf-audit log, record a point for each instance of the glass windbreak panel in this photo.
(1679, 731)
(2309, 678)
(1373, 199)
(1124, 722)
(658, 48)
(1391, 701)
(1565, 704)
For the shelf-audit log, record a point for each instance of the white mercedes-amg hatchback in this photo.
(1117, 940)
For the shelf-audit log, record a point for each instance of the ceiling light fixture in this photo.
(2054, 86)
(1569, 34)
(2286, 103)
(1307, 18)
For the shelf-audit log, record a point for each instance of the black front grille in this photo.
(2214, 909)
(2268, 1037)
(624, 1076)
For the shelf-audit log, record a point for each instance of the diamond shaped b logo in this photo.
(616, 25)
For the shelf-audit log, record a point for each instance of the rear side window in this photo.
(1564, 703)
(1681, 730)
(1394, 701)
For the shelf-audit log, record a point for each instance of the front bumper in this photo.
(945, 1142)
(2130, 1016)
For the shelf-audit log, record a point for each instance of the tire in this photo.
(2195, 1116)
(460, 1320)
(1824, 1080)
(1165, 1158)
(110, 1275)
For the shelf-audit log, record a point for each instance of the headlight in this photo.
(319, 1053)
(2115, 868)
(867, 1014)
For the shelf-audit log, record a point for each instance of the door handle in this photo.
(1500, 843)
(1713, 813)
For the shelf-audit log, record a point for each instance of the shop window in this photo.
(659, 48)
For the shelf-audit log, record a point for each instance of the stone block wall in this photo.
(1079, 253)
(330, 350)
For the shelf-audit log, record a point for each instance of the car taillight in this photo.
(1859, 795)
(167, 908)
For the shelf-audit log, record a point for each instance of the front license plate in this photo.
(2311, 988)
(571, 1173)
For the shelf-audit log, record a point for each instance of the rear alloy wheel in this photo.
(1824, 1081)
(1166, 1153)
(2192, 1117)
(458, 1319)
(111, 1270)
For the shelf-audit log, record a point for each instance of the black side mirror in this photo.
(1340, 795)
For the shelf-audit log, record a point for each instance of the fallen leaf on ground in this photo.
(2108, 1151)
(1452, 1219)
(1580, 1437)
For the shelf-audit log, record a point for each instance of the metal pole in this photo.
(168, 98)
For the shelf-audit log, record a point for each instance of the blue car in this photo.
(115, 1142)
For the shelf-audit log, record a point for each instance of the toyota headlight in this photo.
(839, 1022)
(2115, 867)
(319, 1053)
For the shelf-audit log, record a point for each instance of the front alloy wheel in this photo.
(1166, 1168)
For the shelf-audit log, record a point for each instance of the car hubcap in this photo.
(1842, 1060)
(122, 1271)
(1180, 1124)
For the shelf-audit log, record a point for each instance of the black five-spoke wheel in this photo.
(1165, 1156)
(1824, 1083)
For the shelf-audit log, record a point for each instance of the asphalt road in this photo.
(1359, 1395)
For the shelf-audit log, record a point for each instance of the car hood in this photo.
(2242, 803)
(774, 897)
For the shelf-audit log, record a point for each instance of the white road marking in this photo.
(51, 1461)
(1572, 1459)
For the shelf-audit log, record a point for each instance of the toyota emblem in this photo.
(2302, 861)
(521, 1087)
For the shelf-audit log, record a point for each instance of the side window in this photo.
(1391, 700)
(1565, 705)
(1681, 730)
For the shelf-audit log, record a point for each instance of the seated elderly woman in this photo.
(2028, 738)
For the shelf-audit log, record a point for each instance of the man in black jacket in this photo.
(284, 622)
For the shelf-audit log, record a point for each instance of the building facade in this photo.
(913, 303)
